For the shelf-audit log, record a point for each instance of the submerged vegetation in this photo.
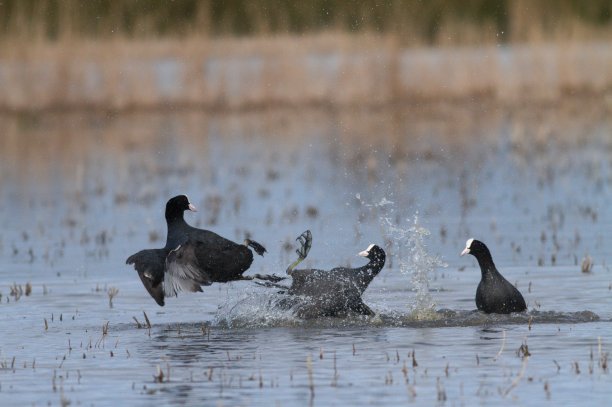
(411, 22)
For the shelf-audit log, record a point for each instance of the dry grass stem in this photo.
(310, 376)
(518, 378)
(587, 264)
(112, 293)
(501, 349)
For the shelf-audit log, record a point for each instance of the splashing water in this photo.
(419, 263)
(422, 265)
(252, 308)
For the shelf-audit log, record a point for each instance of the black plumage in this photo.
(192, 257)
(150, 265)
(316, 293)
(494, 294)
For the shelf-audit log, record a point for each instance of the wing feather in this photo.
(183, 272)
(150, 267)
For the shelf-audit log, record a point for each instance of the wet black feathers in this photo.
(494, 294)
(259, 249)
(217, 257)
(191, 257)
(150, 265)
(335, 292)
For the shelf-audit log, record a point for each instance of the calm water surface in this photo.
(79, 193)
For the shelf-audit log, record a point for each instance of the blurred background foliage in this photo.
(430, 22)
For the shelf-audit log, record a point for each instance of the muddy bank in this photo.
(341, 71)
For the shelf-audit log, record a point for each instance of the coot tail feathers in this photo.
(259, 249)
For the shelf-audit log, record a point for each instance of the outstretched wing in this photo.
(150, 267)
(183, 271)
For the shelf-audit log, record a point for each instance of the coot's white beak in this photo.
(366, 252)
(465, 251)
(192, 208)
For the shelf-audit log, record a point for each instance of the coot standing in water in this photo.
(494, 294)
(192, 257)
(317, 293)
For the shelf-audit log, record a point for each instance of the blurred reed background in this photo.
(257, 53)
(433, 22)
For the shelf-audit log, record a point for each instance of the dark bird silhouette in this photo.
(494, 293)
(192, 257)
(317, 293)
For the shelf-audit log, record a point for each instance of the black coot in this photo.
(192, 257)
(494, 294)
(317, 293)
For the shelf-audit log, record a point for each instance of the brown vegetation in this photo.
(340, 70)
(409, 22)
(257, 53)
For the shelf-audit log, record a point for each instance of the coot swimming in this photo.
(494, 293)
